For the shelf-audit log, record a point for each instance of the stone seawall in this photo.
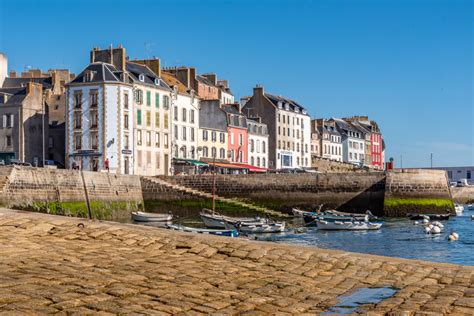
(417, 191)
(64, 192)
(463, 195)
(54, 264)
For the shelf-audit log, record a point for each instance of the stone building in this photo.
(3, 68)
(204, 88)
(330, 144)
(225, 94)
(213, 133)
(353, 142)
(237, 144)
(258, 143)
(119, 113)
(288, 126)
(24, 124)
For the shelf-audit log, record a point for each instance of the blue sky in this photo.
(407, 64)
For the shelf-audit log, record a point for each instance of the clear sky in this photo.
(407, 64)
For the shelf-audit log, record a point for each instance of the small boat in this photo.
(470, 207)
(349, 225)
(311, 219)
(259, 228)
(216, 220)
(419, 217)
(218, 232)
(359, 216)
(151, 217)
(459, 209)
(300, 213)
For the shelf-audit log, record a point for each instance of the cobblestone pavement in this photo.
(51, 264)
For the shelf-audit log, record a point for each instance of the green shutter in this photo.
(139, 117)
(148, 98)
(157, 100)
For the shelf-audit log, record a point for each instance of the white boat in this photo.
(151, 217)
(300, 213)
(459, 209)
(216, 220)
(470, 207)
(258, 228)
(232, 232)
(347, 225)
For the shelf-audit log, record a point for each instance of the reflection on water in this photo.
(397, 238)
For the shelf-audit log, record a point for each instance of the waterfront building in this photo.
(23, 125)
(202, 86)
(118, 112)
(288, 126)
(377, 144)
(353, 142)
(237, 144)
(213, 133)
(330, 140)
(258, 143)
(457, 173)
(316, 138)
(225, 94)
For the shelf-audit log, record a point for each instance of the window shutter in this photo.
(4, 122)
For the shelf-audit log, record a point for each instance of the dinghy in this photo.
(300, 213)
(218, 232)
(311, 219)
(216, 220)
(459, 209)
(348, 225)
(151, 217)
(418, 217)
(259, 228)
(470, 207)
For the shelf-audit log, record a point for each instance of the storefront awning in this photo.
(189, 161)
(227, 165)
(252, 168)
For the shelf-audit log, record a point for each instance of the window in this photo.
(166, 102)
(139, 137)
(306, 148)
(148, 118)
(166, 121)
(94, 98)
(94, 140)
(264, 147)
(77, 120)
(279, 144)
(251, 145)
(214, 152)
(191, 134)
(125, 121)
(157, 100)
(175, 113)
(94, 118)
(191, 116)
(148, 138)
(183, 136)
(139, 158)
(284, 131)
(176, 132)
(222, 153)
(165, 140)
(139, 117)
(126, 140)
(204, 135)
(184, 115)
(284, 119)
(157, 120)
(50, 142)
(258, 146)
(278, 117)
(157, 160)
(222, 138)
(125, 100)
(78, 141)
(241, 139)
(214, 136)
(148, 98)
(252, 162)
(8, 141)
(139, 96)
(77, 99)
(205, 151)
(468, 174)
(157, 139)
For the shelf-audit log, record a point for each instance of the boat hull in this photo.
(439, 217)
(353, 225)
(216, 232)
(261, 228)
(151, 217)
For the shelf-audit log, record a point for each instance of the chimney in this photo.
(192, 78)
(258, 91)
(12, 74)
(153, 64)
(212, 78)
(115, 56)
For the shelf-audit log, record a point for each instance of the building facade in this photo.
(288, 125)
(213, 134)
(353, 142)
(202, 86)
(258, 143)
(457, 173)
(237, 144)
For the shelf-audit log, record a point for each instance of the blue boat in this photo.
(217, 232)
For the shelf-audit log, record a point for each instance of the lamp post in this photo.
(431, 159)
(214, 182)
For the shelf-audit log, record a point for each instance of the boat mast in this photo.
(214, 183)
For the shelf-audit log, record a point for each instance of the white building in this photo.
(353, 142)
(100, 119)
(258, 143)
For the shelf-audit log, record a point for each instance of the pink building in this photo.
(237, 145)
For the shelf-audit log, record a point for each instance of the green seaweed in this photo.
(434, 202)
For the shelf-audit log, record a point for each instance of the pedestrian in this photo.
(74, 165)
(106, 164)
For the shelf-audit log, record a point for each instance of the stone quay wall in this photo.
(417, 191)
(53, 264)
(65, 192)
(282, 192)
(463, 195)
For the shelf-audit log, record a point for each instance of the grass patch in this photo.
(438, 203)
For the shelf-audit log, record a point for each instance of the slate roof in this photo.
(344, 127)
(102, 72)
(233, 118)
(14, 95)
(292, 103)
(211, 116)
(47, 82)
(171, 81)
(135, 70)
(204, 80)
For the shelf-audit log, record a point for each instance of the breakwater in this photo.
(66, 192)
(54, 264)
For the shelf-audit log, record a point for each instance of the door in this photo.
(127, 170)
(167, 167)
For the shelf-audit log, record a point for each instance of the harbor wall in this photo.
(65, 192)
(463, 195)
(417, 191)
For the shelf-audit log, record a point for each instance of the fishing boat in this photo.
(347, 225)
(151, 217)
(358, 216)
(300, 213)
(312, 218)
(459, 209)
(419, 217)
(218, 232)
(258, 228)
(215, 220)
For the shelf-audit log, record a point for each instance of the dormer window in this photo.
(157, 81)
(287, 106)
(141, 77)
(304, 112)
(88, 76)
(280, 104)
(297, 109)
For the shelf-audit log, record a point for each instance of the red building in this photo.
(377, 149)
(237, 144)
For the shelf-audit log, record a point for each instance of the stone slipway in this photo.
(51, 264)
